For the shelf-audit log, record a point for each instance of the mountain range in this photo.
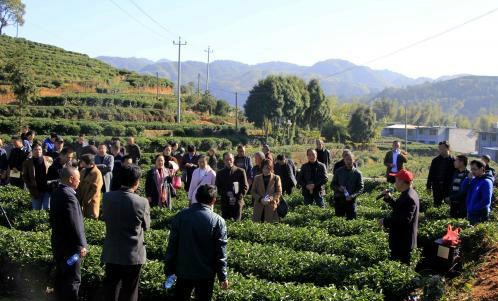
(227, 76)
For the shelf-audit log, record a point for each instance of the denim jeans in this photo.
(477, 218)
(317, 199)
(43, 202)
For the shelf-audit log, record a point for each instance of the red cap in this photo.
(404, 175)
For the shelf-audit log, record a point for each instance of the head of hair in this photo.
(206, 194)
(463, 159)
(116, 145)
(30, 133)
(53, 135)
(130, 175)
(91, 142)
(15, 137)
(478, 163)
(225, 154)
(127, 157)
(268, 163)
(240, 146)
(81, 135)
(310, 150)
(202, 158)
(281, 157)
(67, 172)
(486, 158)
(445, 143)
(35, 145)
(191, 148)
(173, 143)
(346, 152)
(157, 156)
(88, 159)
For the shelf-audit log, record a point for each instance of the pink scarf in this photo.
(162, 190)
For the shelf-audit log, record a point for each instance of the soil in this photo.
(485, 288)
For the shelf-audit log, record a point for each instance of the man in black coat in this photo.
(286, 170)
(232, 186)
(322, 154)
(403, 221)
(312, 178)
(68, 235)
(441, 174)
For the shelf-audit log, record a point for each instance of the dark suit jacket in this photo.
(105, 164)
(29, 176)
(126, 216)
(224, 182)
(66, 220)
(403, 222)
(287, 173)
(400, 161)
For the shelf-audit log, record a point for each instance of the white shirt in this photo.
(395, 160)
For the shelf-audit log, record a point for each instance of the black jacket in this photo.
(197, 245)
(287, 174)
(224, 182)
(403, 222)
(323, 155)
(351, 179)
(150, 185)
(441, 172)
(66, 220)
(313, 173)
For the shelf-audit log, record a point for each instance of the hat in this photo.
(403, 174)
(487, 157)
(59, 139)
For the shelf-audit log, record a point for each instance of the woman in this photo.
(204, 174)
(256, 169)
(266, 191)
(157, 184)
(213, 159)
(168, 155)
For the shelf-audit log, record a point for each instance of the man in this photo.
(458, 208)
(133, 150)
(24, 132)
(312, 179)
(232, 185)
(90, 187)
(34, 174)
(117, 174)
(403, 221)
(487, 159)
(49, 143)
(266, 150)
(29, 140)
(243, 161)
(479, 193)
(16, 159)
(347, 185)
(105, 163)
(394, 160)
(4, 164)
(189, 164)
(127, 216)
(441, 174)
(79, 145)
(323, 154)
(89, 149)
(68, 235)
(65, 159)
(341, 163)
(197, 248)
(286, 170)
(58, 146)
(118, 162)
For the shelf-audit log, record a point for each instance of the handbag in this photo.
(282, 207)
(177, 182)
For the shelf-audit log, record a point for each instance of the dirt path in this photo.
(485, 287)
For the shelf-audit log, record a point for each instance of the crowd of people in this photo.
(72, 180)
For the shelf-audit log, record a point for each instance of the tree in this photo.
(11, 12)
(207, 103)
(362, 125)
(222, 108)
(22, 80)
(319, 109)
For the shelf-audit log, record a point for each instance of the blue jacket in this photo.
(479, 194)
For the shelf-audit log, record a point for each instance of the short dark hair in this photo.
(463, 159)
(226, 154)
(29, 133)
(445, 143)
(127, 157)
(53, 135)
(281, 157)
(130, 175)
(478, 163)
(67, 172)
(191, 148)
(15, 137)
(35, 145)
(206, 194)
(89, 159)
(91, 142)
(173, 143)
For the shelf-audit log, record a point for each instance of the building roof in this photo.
(490, 148)
(401, 126)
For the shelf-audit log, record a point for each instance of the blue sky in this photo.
(301, 32)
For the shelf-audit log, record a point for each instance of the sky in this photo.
(295, 31)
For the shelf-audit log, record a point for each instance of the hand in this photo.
(83, 252)
(224, 285)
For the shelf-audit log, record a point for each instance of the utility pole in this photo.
(157, 85)
(198, 84)
(209, 51)
(180, 44)
(406, 128)
(236, 111)
(17, 29)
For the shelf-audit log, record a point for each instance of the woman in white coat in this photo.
(204, 174)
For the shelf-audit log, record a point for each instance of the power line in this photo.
(414, 44)
(136, 19)
(152, 19)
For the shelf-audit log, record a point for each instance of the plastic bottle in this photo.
(170, 282)
(73, 259)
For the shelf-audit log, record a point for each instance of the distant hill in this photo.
(235, 76)
(55, 67)
(467, 95)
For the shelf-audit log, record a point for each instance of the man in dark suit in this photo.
(127, 216)
(441, 174)
(394, 160)
(286, 170)
(197, 248)
(232, 186)
(68, 235)
(403, 221)
(105, 163)
(189, 164)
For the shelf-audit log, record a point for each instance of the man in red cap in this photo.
(403, 221)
